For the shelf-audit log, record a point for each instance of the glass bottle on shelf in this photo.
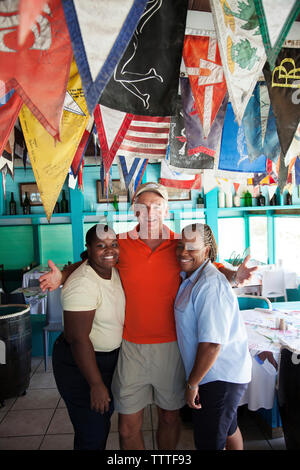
(236, 200)
(200, 201)
(12, 205)
(64, 203)
(26, 205)
(115, 203)
(273, 200)
(248, 199)
(221, 198)
(288, 199)
(260, 199)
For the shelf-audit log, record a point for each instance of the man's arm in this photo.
(54, 278)
(241, 275)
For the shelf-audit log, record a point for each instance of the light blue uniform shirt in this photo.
(206, 310)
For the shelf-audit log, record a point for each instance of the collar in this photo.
(196, 274)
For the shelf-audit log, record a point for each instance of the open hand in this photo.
(244, 273)
(52, 279)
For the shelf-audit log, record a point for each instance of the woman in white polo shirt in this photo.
(85, 355)
(212, 340)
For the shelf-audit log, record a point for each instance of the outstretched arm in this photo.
(241, 275)
(54, 278)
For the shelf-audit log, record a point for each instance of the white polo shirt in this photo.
(85, 290)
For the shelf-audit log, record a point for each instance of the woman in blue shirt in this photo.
(212, 340)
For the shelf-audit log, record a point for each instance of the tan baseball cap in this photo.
(155, 188)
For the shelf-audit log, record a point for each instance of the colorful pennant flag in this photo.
(284, 87)
(259, 126)
(80, 152)
(111, 126)
(177, 179)
(205, 71)
(294, 148)
(146, 137)
(233, 154)
(109, 24)
(145, 81)
(10, 105)
(51, 161)
(204, 148)
(275, 21)
(241, 49)
(39, 70)
(297, 171)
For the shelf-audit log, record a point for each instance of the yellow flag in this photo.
(51, 160)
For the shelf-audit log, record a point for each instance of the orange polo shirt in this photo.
(150, 280)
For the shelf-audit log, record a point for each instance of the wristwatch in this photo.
(191, 387)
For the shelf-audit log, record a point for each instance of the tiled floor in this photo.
(39, 421)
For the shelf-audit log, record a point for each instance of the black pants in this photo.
(91, 428)
(217, 418)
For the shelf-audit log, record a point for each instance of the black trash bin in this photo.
(289, 397)
(15, 350)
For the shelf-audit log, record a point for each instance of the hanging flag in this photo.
(241, 49)
(146, 137)
(259, 126)
(137, 178)
(284, 87)
(51, 160)
(294, 148)
(111, 127)
(28, 15)
(297, 171)
(145, 81)
(233, 154)
(275, 21)
(199, 146)
(10, 105)
(39, 70)
(177, 179)
(100, 33)
(126, 174)
(20, 149)
(205, 71)
(80, 152)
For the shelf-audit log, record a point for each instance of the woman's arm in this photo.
(207, 354)
(77, 327)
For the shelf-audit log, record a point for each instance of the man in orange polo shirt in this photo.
(149, 369)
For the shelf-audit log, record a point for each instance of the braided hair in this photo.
(207, 237)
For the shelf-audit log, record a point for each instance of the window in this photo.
(287, 242)
(259, 238)
(231, 238)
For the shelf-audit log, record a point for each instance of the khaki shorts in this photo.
(146, 374)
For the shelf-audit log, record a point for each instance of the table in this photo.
(264, 336)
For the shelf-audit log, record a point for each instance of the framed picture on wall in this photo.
(177, 194)
(33, 193)
(122, 194)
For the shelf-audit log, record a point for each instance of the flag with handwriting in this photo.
(284, 90)
(100, 33)
(259, 126)
(145, 81)
(39, 69)
(241, 48)
(51, 160)
(205, 71)
(275, 20)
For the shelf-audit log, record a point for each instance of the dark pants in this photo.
(91, 428)
(217, 419)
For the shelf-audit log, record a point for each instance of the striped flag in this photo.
(146, 137)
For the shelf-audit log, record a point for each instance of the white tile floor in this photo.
(39, 421)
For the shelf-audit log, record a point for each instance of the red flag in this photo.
(8, 116)
(204, 68)
(39, 69)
